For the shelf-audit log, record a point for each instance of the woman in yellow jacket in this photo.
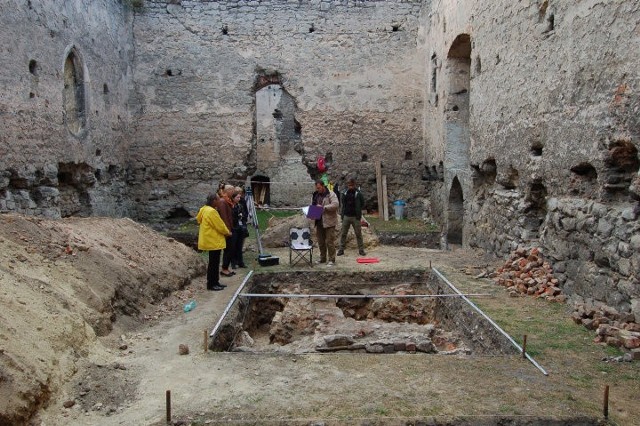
(211, 237)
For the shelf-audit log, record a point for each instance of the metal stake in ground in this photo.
(524, 347)
(168, 397)
(605, 407)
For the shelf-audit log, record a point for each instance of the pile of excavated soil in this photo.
(63, 284)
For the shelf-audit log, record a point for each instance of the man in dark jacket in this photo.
(351, 203)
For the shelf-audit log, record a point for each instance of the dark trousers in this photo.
(357, 229)
(213, 270)
(237, 258)
(229, 251)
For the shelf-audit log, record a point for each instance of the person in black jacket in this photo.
(351, 203)
(241, 216)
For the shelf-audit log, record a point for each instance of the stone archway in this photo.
(74, 93)
(455, 213)
(457, 138)
(279, 145)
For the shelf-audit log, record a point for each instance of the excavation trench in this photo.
(379, 312)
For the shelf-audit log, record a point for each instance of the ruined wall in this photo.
(554, 135)
(64, 83)
(352, 68)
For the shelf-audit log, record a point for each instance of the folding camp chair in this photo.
(300, 246)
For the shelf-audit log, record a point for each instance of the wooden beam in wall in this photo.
(379, 188)
(385, 201)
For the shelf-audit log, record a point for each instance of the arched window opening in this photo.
(74, 95)
(455, 213)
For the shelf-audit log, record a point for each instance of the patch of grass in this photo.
(509, 409)
(613, 351)
(265, 215)
(382, 411)
(583, 380)
(190, 226)
(404, 226)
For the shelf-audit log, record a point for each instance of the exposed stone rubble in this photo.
(372, 326)
(612, 327)
(527, 273)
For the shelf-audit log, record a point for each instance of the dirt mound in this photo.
(63, 283)
(277, 234)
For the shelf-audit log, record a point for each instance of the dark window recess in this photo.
(74, 93)
(408, 155)
(536, 150)
(33, 67)
(551, 22)
(585, 170)
(178, 213)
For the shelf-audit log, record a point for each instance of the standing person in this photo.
(351, 203)
(211, 237)
(241, 211)
(326, 225)
(224, 206)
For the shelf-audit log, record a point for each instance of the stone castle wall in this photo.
(352, 69)
(554, 135)
(46, 168)
(508, 123)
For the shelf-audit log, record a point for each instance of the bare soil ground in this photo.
(64, 360)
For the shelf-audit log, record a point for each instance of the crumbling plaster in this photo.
(354, 70)
(36, 37)
(553, 88)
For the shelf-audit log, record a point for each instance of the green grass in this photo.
(404, 226)
(265, 215)
(190, 226)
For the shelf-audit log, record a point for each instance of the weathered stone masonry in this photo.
(553, 135)
(64, 84)
(351, 72)
(508, 123)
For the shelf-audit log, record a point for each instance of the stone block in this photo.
(629, 214)
(374, 348)
(334, 340)
(425, 346)
(604, 228)
(624, 249)
(630, 340)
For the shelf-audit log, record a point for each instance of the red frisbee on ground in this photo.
(367, 260)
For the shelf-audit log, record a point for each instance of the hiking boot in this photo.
(320, 261)
(329, 264)
(361, 252)
(340, 252)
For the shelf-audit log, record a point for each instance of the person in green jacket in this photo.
(351, 203)
(212, 237)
